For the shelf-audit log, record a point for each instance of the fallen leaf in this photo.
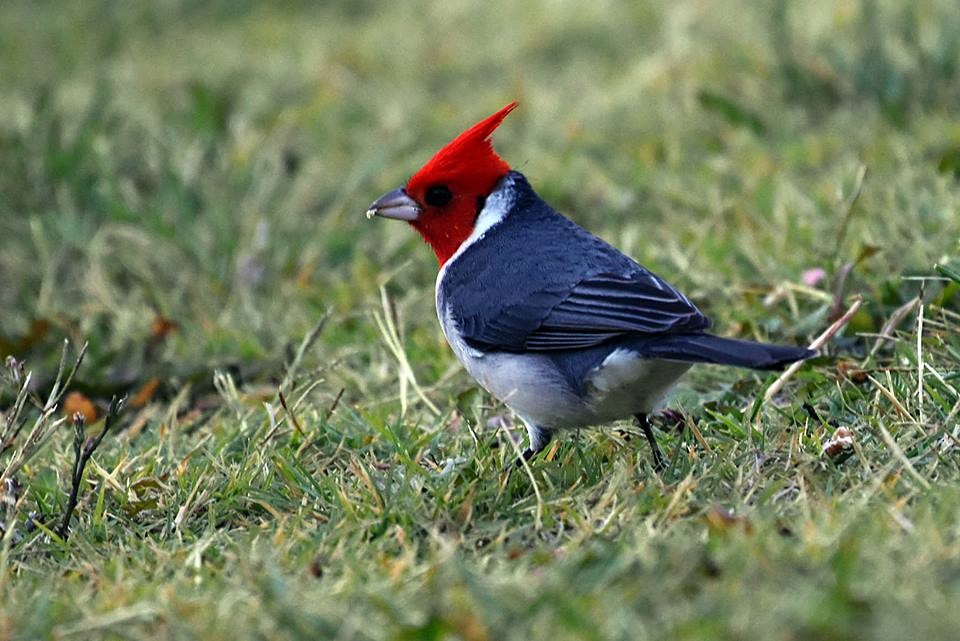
(840, 444)
(161, 327)
(317, 565)
(719, 520)
(850, 372)
(75, 402)
(145, 393)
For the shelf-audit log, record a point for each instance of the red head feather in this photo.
(469, 168)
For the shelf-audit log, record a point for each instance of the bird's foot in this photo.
(517, 463)
(526, 455)
(659, 464)
(672, 419)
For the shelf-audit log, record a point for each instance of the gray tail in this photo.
(706, 348)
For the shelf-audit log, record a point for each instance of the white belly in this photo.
(530, 384)
(625, 384)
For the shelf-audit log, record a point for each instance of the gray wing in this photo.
(539, 282)
(605, 306)
(594, 310)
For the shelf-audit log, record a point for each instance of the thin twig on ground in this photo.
(83, 449)
(293, 418)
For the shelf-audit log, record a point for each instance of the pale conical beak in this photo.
(395, 204)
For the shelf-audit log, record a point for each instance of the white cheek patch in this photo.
(495, 209)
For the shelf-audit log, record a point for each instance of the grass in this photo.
(183, 189)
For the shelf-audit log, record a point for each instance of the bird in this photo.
(563, 328)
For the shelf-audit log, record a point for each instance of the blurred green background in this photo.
(183, 185)
(211, 163)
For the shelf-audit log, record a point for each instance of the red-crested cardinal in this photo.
(559, 325)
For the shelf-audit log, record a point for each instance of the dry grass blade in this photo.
(305, 345)
(920, 414)
(12, 424)
(849, 207)
(898, 453)
(391, 336)
(817, 343)
(538, 516)
(893, 399)
(44, 426)
(892, 323)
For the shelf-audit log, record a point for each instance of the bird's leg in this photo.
(658, 464)
(539, 439)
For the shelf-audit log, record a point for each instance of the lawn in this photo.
(300, 456)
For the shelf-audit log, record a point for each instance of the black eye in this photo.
(438, 196)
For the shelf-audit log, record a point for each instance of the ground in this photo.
(300, 456)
